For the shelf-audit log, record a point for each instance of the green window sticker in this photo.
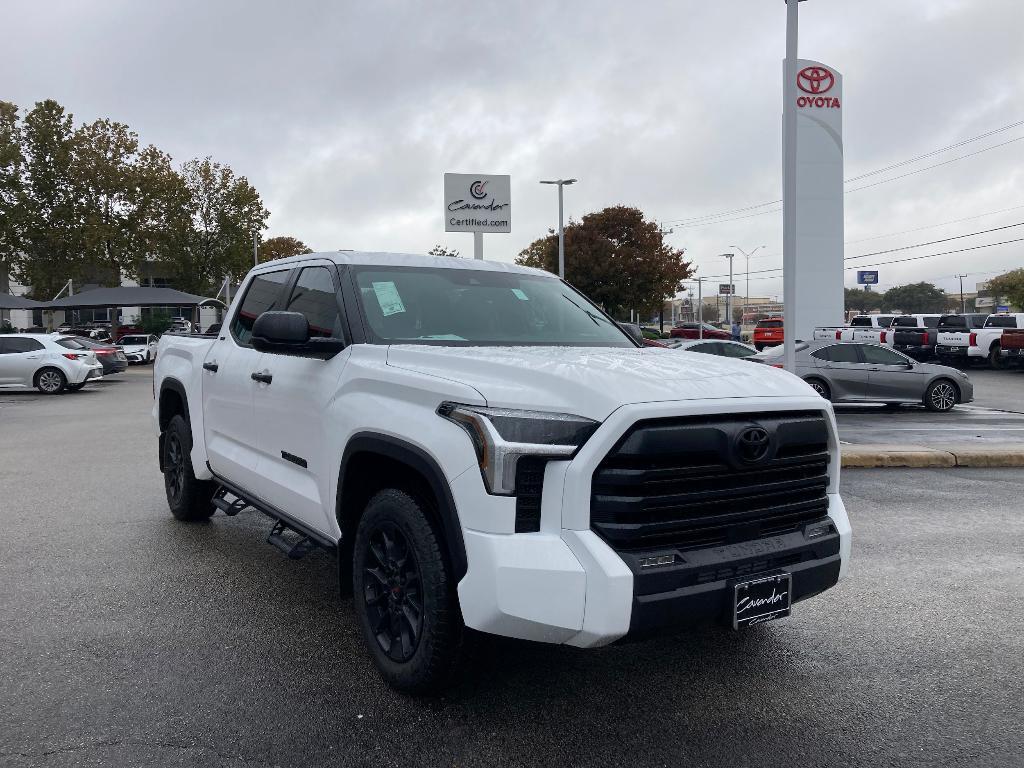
(520, 295)
(388, 298)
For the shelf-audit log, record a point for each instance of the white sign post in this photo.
(812, 199)
(477, 203)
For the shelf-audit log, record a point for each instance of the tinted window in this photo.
(315, 297)
(710, 348)
(735, 350)
(861, 322)
(931, 321)
(770, 324)
(952, 322)
(71, 343)
(1001, 321)
(436, 305)
(261, 296)
(13, 346)
(140, 340)
(906, 322)
(881, 356)
(884, 321)
(838, 353)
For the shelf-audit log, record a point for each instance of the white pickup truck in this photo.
(968, 345)
(481, 446)
(872, 324)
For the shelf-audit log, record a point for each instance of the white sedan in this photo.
(47, 362)
(139, 348)
(720, 347)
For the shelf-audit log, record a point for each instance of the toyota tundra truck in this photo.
(964, 346)
(481, 447)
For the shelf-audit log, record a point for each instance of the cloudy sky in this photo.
(346, 115)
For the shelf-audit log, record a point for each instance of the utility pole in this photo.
(561, 230)
(255, 250)
(789, 189)
(746, 295)
(963, 304)
(728, 300)
(700, 308)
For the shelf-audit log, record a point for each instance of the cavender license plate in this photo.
(761, 600)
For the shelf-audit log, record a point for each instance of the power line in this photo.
(933, 255)
(694, 220)
(929, 167)
(894, 250)
(935, 152)
(933, 226)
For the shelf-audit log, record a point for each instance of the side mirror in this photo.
(633, 331)
(287, 333)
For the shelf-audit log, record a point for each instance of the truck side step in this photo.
(295, 549)
(229, 508)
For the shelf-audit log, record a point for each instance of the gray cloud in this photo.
(345, 116)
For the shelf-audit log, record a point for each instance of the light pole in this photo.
(561, 230)
(789, 189)
(746, 293)
(963, 305)
(728, 301)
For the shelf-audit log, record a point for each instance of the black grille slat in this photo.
(529, 485)
(678, 482)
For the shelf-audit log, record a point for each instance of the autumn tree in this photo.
(1008, 287)
(440, 250)
(281, 247)
(617, 258)
(915, 298)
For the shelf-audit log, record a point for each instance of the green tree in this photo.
(617, 258)
(53, 243)
(12, 169)
(281, 247)
(440, 250)
(1008, 286)
(861, 300)
(914, 298)
(212, 234)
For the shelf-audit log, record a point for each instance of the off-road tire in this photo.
(995, 359)
(820, 386)
(941, 395)
(387, 587)
(188, 498)
(50, 381)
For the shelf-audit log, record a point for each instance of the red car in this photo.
(768, 333)
(692, 331)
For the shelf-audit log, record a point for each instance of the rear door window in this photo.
(838, 353)
(13, 345)
(262, 295)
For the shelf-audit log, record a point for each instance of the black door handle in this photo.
(265, 378)
(211, 367)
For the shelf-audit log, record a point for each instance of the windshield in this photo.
(134, 340)
(462, 307)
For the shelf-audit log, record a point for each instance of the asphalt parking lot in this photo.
(130, 639)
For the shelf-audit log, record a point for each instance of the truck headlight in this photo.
(501, 436)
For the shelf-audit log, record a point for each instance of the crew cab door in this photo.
(291, 410)
(228, 388)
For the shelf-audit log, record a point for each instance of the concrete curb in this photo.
(931, 457)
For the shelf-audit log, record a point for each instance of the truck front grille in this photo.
(686, 483)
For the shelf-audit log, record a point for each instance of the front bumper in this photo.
(565, 584)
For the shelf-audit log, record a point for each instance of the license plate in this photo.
(761, 600)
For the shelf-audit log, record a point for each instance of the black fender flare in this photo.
(423, 463)
(173, 385)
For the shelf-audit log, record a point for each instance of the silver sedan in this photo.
(853, 372)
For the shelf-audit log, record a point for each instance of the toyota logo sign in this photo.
(816, 80)
(753, 444)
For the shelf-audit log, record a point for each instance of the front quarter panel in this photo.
(179, 365)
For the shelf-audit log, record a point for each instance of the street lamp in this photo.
(728, 302)
(746, 293)
(561, 231)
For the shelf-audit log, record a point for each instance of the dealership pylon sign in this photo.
(477, 203)
(819, 198)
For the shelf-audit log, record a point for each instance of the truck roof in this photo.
(377, 258)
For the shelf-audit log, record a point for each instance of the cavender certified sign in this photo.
(477, 203)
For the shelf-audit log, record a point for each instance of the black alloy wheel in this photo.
(941, 396)
(820, 387)
(393, 592)
(174, 468)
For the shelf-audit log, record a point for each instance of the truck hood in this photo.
(593, 381)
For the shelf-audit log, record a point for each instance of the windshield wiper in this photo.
(593, 317)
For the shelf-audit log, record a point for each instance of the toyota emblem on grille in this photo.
(753, 444)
